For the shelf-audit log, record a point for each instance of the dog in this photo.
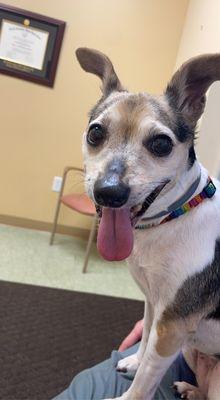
(159, 209)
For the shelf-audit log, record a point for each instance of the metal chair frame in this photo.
(57, 211)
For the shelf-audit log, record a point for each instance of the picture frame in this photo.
(30, 45)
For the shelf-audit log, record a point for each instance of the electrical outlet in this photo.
(57, 183)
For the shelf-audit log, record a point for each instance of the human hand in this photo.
(133, 336)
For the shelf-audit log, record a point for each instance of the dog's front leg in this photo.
(148, 320)
(131, 363)
(164, 344)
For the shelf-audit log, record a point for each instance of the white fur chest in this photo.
(165, 256)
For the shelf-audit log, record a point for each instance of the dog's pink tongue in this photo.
(115, 236)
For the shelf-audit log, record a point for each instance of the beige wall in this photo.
(41, 127)
(209, 140)
(201, 34)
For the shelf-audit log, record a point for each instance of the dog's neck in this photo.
(188, 185)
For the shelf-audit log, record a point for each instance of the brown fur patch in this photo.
(170, 337)
(124, 112)
(132, 110)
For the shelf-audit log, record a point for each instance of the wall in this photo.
(41, 127)
(209, 137)
(201, 34)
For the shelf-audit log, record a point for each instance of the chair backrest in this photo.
(65, 173)
(75, 201)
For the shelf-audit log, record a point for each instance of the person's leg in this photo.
(101, 381)
(104, 381)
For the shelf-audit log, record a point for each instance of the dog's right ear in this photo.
(99, 64)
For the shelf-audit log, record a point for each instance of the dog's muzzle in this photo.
(116, 220)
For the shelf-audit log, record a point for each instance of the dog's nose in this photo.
(111, 194)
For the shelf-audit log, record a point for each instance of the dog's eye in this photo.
(95, 135)
(159, 146)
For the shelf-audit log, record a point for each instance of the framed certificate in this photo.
(29, 45)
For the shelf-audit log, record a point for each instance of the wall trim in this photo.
(43, 226)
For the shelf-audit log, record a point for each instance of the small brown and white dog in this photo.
(140, 168)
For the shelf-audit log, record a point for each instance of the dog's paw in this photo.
(187, 391)
(128, 364)
(115, 398)
(181, 387)
(123, 397)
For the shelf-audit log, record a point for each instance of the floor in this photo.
(27, 257)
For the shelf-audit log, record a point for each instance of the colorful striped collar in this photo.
(207, 192)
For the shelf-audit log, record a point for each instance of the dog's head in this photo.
(136, 146)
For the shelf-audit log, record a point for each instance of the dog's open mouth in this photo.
(115, 233)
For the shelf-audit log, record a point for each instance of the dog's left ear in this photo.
(186, 91)
(99, 64)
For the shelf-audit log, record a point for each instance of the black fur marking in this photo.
(192, 156)
(199, 293)
(215, 314)
(182, 131)
(162, 113)
(172, 95)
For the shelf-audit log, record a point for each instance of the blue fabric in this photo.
(182, 372)
(104, 381)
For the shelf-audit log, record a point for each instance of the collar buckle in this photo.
(209, 189)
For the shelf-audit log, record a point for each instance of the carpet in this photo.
(49, 335)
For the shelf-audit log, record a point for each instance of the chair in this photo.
(80, 203)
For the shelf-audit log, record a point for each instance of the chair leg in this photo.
(55, 221)
(89, 244)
